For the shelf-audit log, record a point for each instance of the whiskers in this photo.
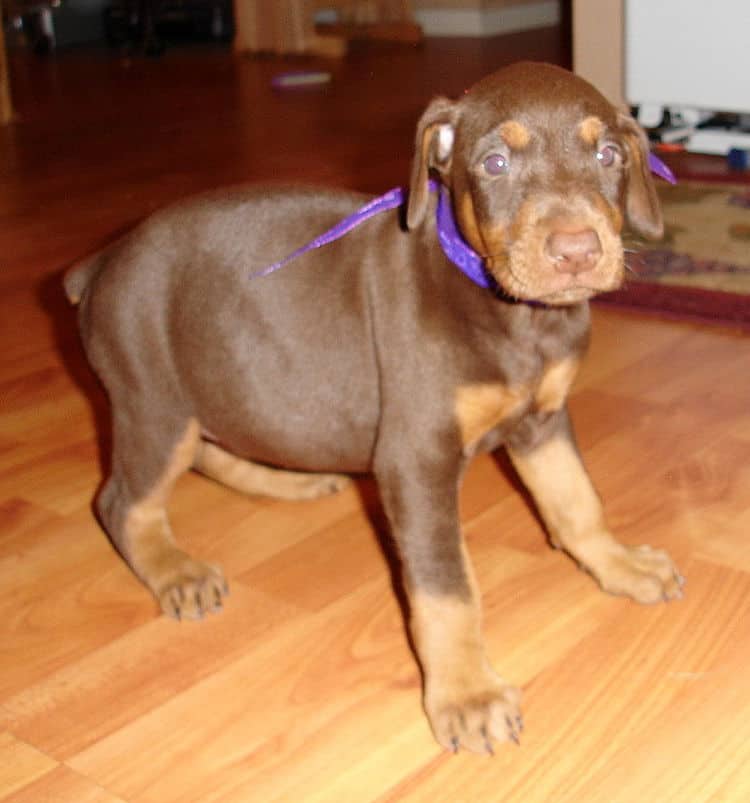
(632, 255)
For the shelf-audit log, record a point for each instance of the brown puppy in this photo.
(375, 353)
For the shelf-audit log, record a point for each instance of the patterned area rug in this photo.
(702, 267)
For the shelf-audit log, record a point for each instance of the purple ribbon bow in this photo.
(460, 253)
(658, 168)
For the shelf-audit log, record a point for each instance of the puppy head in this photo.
(543, 174)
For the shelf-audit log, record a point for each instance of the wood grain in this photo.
(305, 688)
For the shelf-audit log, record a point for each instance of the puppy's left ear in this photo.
(641, 202)
(433, 150)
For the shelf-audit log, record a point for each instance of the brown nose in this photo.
(573, 251)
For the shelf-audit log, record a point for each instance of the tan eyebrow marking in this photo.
(515, 134)
(590, 130)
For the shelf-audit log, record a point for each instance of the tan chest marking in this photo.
(480, 407)
(555, 384)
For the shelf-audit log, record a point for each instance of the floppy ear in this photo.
(641, 202)
(433, 149)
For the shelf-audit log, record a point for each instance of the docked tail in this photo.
(78, 277)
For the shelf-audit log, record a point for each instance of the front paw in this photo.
(474, 715)
(642, 573)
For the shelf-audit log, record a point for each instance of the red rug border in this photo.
(679, 302)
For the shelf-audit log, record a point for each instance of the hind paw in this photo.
(191, 590)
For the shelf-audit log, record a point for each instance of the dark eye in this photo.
(496, 164)
(606, 155)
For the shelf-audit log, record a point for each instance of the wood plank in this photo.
(87, 699)
(61, 785)
(20, 763)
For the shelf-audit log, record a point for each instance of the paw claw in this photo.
(487, 741)
(191, 590)
(477, 720)
(512, 730)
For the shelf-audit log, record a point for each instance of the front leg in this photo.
(554, 474)
(467, 704)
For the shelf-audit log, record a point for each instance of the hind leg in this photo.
(146, 463)
(254, 479)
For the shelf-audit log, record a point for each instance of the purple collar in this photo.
(458, 251)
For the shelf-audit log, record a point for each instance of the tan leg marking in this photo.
(254, 479)
(467, 704)
(555, 385)
(572, 511)
(482, 406)
(184, 587)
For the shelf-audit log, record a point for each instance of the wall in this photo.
(598, 45)
(484, 17)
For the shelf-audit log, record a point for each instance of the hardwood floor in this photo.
(305, 688)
